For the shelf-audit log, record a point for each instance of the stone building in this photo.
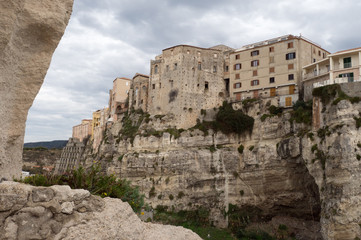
(99, 124)
(340, 67)
(118, 97)
(272, 68)
(83, 131)
(70, 156)
(138, 94)
(185, 79)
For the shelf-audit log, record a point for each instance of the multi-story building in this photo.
(138, 94)
(185, 79)
(118, 97)
(83, 131)
(340, 67)
(272, 68)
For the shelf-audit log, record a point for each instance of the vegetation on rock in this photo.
(95, 182)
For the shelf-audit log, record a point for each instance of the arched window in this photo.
(156, 69)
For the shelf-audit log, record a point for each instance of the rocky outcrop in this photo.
(57, 212)
(332, 155)
(197, 170)
(30, 31)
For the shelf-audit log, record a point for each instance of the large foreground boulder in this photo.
(58, 212)
(29, 33)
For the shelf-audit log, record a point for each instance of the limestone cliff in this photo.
(30, 31)
(283, 168)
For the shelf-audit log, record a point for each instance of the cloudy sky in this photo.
(118, 38)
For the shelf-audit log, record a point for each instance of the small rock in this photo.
(67, 207)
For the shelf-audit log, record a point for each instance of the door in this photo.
(255, 94)
(288, 101)
(238, 96)
(273, 92)
(292, 89)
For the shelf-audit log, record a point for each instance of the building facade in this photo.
(118, 97)
(99, 124)
(83, 131)
(272, 68)
(138, 94)
(340, 67)
(185, 79)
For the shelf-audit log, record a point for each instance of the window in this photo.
(237, 56)
(255, 73)
(319, 53)
(215, 55)
(255, 53)
(155, 69)
(290, 66)
(271, 70)
(175, 66)
(237, 66)
(214, 69)
(237, 85)
(271, 49)
(199, 66)
(206, 85)
(160, 85)
(290, 45)
(153, 86)
(167, 68)
(271, 80)
(254, 82)
(347, 62)
(226, 69)
(324, 55)
(254, 63)
(290, 56)
(271, 59)
(291, 77)
(238, 76)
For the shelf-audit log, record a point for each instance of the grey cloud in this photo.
(112, 38)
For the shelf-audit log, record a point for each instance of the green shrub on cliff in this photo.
(95, 182)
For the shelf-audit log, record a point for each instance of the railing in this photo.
(316, 74)
(336, 80)
(344, 66)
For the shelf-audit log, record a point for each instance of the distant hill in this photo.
(59, 144)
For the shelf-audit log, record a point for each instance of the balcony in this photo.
(336, 80)
(315, 74)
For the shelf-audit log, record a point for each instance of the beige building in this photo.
(99, 124)
(185, 79)
(138, 94)
(118, 97)
(83, 130)
(340, 67)
(272, 68)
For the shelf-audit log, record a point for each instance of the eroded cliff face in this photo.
(30, 32)
(267, 179)
(285, 168)
(332, 156)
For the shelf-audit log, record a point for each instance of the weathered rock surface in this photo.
(30, 31)
(197, 170)
(57, 212)
(333, 157)
(285, 169)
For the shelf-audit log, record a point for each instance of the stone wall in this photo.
(184, 80)
(30, 32)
